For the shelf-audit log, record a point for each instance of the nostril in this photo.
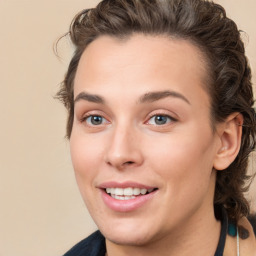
(129, 162)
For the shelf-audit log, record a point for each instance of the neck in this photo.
(199, 235)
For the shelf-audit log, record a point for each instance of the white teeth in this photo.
(119, 191)
(122, 197)
(127, 193)
(143, 191)
(136, 191)
(129, 197)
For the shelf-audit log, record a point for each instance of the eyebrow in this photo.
(89, 97)
(154, 96)
(147, 97)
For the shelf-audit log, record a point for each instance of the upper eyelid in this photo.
(86, 116)
(172, 119)
(163, 113)
(94, 112)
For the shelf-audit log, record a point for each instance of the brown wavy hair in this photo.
(204, 24)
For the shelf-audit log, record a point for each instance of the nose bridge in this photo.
(123, 147)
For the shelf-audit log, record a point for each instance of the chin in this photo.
(128, 240)
(130, 235)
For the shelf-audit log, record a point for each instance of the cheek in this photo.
(187, 171)
(183, 159)
(85, 155)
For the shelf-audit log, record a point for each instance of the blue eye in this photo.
(160, 120)
(95, 120)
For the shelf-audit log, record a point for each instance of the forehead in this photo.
(141, 59)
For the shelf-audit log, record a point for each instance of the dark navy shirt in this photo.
(94, 245)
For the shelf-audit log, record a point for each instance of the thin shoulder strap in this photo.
(237, 242)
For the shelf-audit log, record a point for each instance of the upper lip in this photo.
(126, 184)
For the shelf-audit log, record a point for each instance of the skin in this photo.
(176, 157)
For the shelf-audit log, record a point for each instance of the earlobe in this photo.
(230, 135)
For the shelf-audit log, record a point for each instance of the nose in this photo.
(123, 150)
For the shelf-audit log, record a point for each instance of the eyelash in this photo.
(171, 119)
(85, 118)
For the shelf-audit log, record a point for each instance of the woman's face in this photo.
(142, 125)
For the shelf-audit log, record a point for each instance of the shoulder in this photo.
(247, 241)
(94, 245)
(247, 245)
(252, 219)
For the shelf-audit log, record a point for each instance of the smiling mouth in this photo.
(128, 193)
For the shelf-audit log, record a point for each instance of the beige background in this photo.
(41, 212)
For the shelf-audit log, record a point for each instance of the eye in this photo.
(160, 120)
(95, 120)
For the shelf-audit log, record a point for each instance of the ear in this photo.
(230, 133)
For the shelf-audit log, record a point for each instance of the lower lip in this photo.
(126, 205)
